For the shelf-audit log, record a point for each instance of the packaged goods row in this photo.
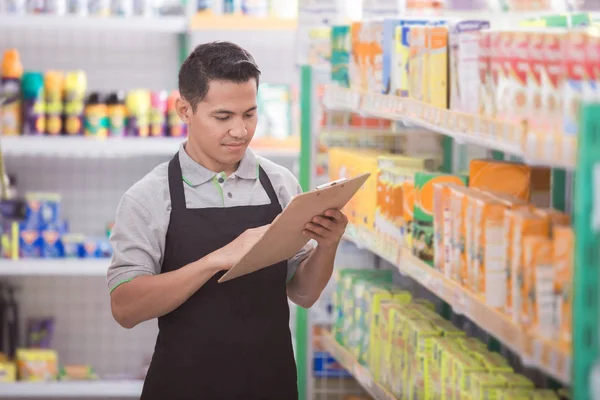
(491, 230)
(57, 103)
(412, 351)
(96, 8)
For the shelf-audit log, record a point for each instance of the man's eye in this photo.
(249, 115)
(222, 118)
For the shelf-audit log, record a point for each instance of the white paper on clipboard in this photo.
(284, 237)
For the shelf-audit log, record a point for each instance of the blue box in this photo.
(74, 245)
(43, 209)
(96, 248)
(30, 243)
(325, 366)
(51, 245)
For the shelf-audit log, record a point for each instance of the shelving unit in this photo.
(360, 373)
(76, 390)
(54, 267)
(85, 147)
(463, 128)
(166, 24)
(535, 351)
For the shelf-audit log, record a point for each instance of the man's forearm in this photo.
(149, 297)
(312, 276)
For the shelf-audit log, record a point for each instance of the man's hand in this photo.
(327, 230)
(228, 255)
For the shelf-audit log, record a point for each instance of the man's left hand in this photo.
(327, 230)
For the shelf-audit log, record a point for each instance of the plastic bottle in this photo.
(176, 127)
(34, 105)
(138, 110)
(96, 116)
(10, 93)
(158, 113)
(54, 87)
(75, 87)
(117, 114)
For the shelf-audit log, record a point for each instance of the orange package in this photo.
(555, 217)
(501, 176)
(488, 247)
(408, 205)
(564, 246)
(523, 223)
(537, 309)
(458, 207)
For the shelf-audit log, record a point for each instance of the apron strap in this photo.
(176, 184)
(266, 184)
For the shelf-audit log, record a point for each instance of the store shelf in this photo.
(360, 373)
(548, 356)
(63, 390)
(209, 22)
(464, 128)
(86, 147)
(166, 24)
(54, 267)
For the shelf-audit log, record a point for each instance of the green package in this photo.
(340, 55)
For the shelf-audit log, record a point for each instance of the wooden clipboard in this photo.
(284, 237)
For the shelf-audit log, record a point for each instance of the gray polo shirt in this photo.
(139, 234)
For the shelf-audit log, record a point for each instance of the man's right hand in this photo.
(229, 255)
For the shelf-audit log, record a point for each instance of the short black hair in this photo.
(213, 61)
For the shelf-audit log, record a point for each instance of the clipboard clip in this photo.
(332, 183)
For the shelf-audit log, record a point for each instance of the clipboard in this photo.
(284, 237)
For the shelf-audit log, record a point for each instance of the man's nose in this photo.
(238, 130)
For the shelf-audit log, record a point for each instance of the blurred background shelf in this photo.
(54, 267)
(76, 390)
(166, 24)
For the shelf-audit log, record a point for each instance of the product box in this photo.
(30, 243)
(8, 372)
(463, 368)
(37, 365)
(422, 243)
(544, 394)
(493, 362)
(501, 176)
(515, 394)
(51, 244)
(516, 381)
(375, 55)
(389, 221)
(389, 49)
(524, 223)
(555, 217)
(485, 98)
(448, 329)
(485, 385)
(503, 88)
(577, 75)
(538, 290)
(467, 80)
(360, 43)
(400, 80)
(408, 206)
(437, 63)
(553, 80)
(340, 55)
(496, 60)
(591, 91)
(488, 268)
(518, 57)
(458, 209)
(418, 64)
(43, 209)
(563, 247)
(535, 62)
(382, 362)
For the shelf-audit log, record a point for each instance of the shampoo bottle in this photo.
(10, 93)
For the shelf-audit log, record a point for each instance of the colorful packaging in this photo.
(116, 114)
(51, 245)
(464, 367)
(34, 105)
(10, 90)
(591, 91)
(419, 66)
(516, 381)
(389, 48)
(54, 88)
(96, 117)
(75, 88)
(437, 63)
(43, 209)
(97, 247)
(496, 61)
(360, 53)
(516, 394)
(488, 267)
(177, 128)
(535, 62)
(158, 112)
(422, 242)
(493, 362)
(503, 88)
(340, 55)
(544, 394)
(8, 372)
(400, 83)
(553, 78)
(468, 78)
(138, 112)
(538, 289)
(77, 373)
(375, 57)
(577, 75)
(37, 365)
(501, 176)
(563, 246)
(408, 206)
(73, 244)
(517, 109)
(524, 223)
(485, 385)
(458, 210)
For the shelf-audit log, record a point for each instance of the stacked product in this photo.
(103, 8)
(45, 234)
(412, 351)
(524, 85)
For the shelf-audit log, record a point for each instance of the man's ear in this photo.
(184, 109)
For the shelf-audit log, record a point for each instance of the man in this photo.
(189, 220)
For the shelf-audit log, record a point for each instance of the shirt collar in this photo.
(195, 174)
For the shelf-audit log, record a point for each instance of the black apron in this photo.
(228, 340)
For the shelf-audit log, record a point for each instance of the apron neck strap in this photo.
(266, 184)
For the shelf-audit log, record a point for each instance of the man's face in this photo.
(223, 124)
